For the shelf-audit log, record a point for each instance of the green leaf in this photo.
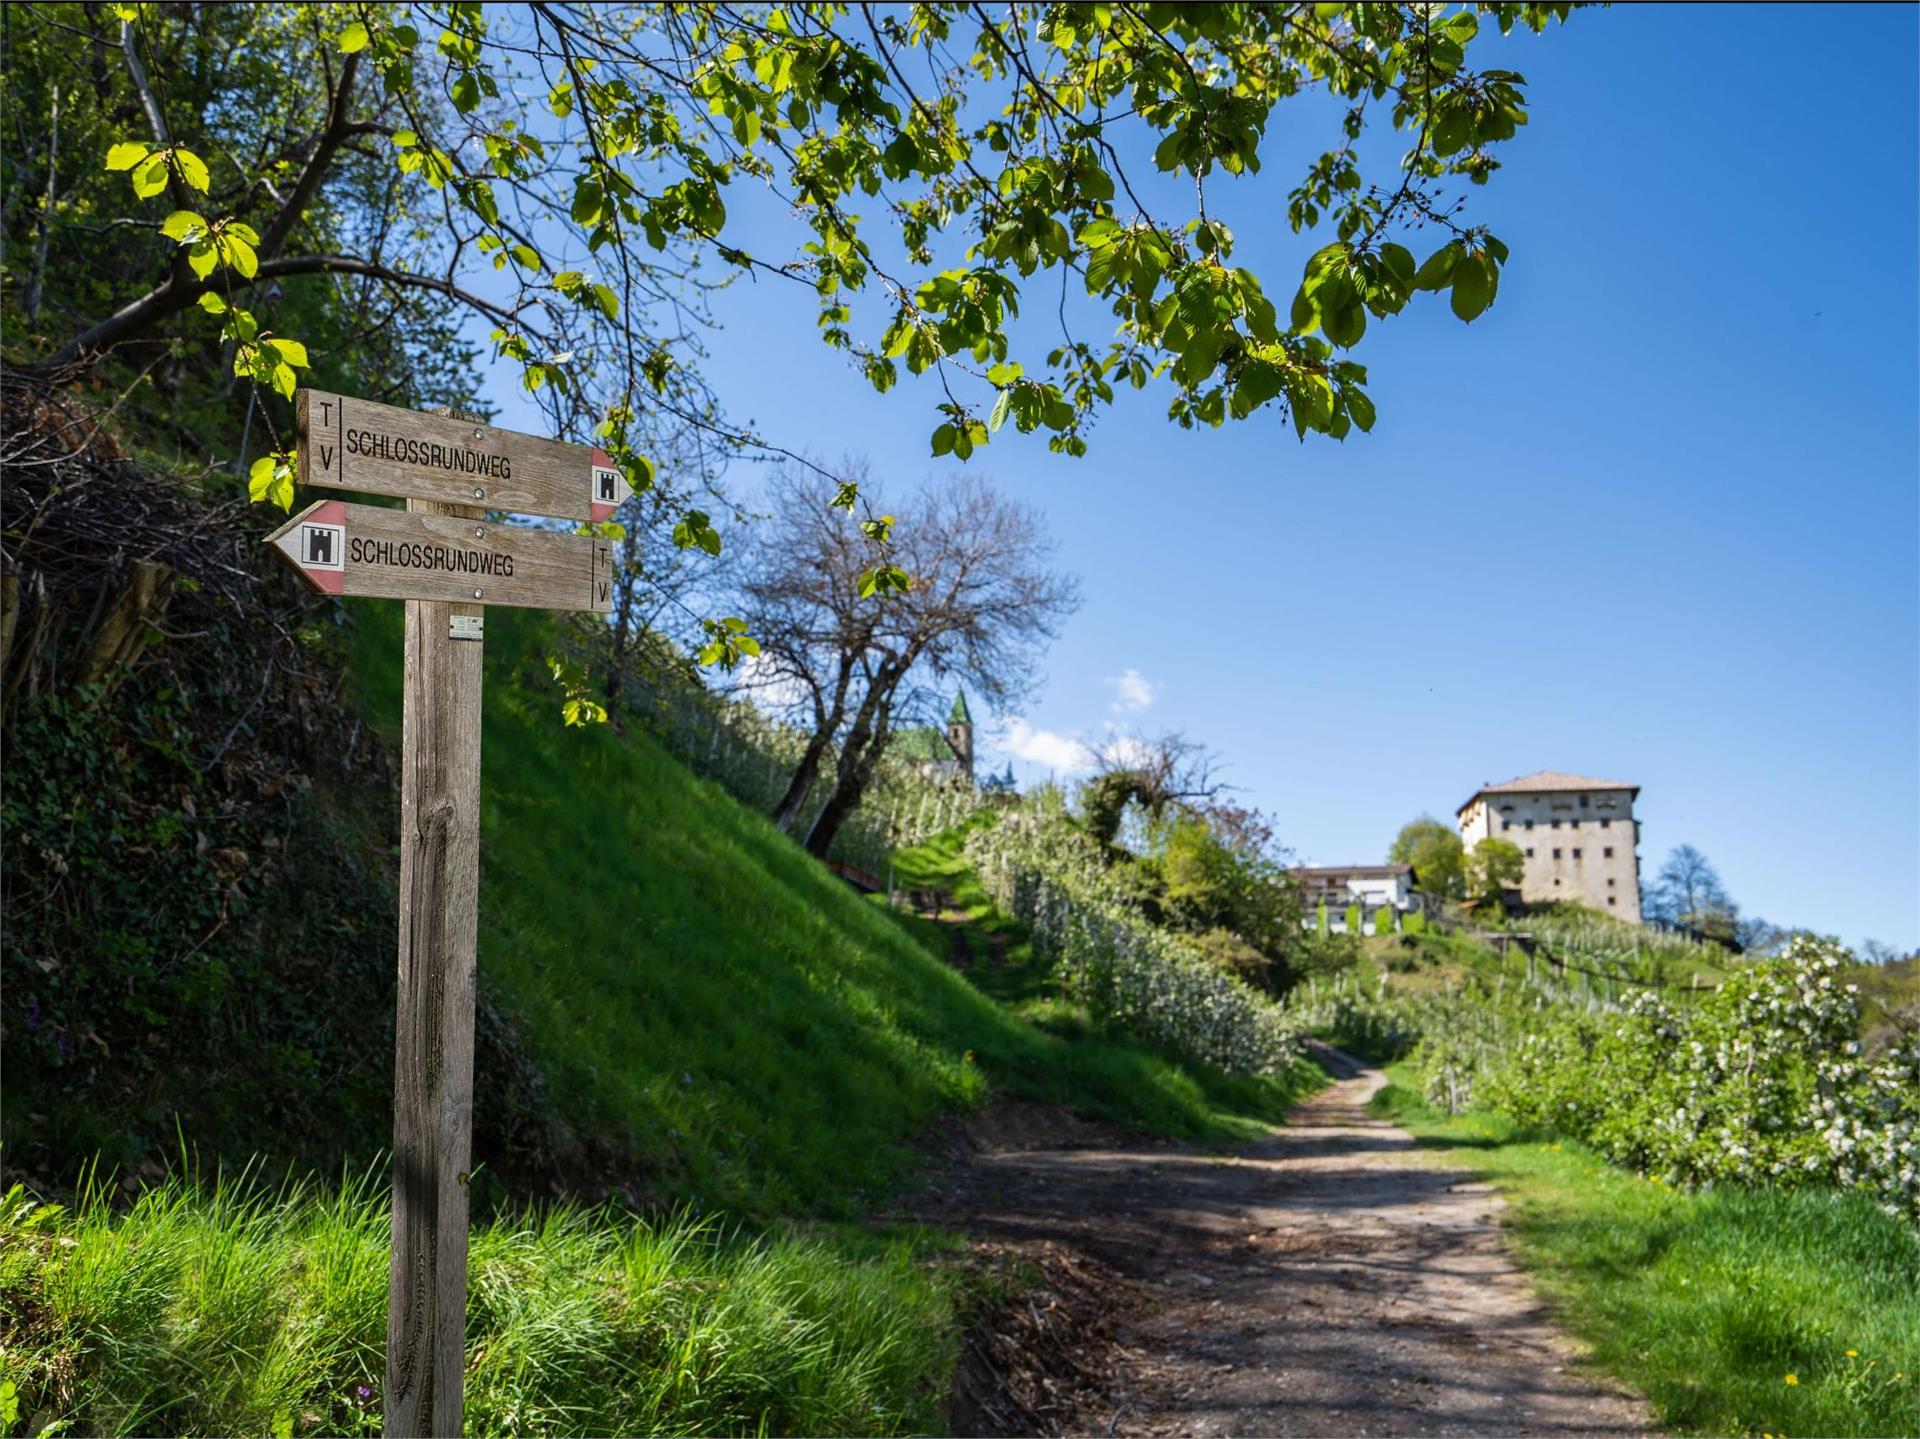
(213, 304)
(192, 169)
(1361, 408)
(1000, 408)
(202, 258)
(292, 351)
(1472, 286)
(353, 38)
(270, 478)
(239, 254)
(127, 154)
(1438, 270)
(183, 225)
(1346, 325)
(150, 178)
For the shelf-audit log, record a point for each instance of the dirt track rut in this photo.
(1331, 1279)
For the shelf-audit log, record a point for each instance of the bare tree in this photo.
(1168, 771)
(984, 598)
(1688, 891)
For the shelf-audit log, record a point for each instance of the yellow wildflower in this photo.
(1853, 1354)
(1793, 1379)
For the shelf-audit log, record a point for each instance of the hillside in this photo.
(720, 1018)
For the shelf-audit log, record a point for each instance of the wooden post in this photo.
(433, 1050)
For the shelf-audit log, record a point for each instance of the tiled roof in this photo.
(1353, 871)
(1550, 781)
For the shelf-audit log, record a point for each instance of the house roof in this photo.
(1549, 781)
(1353, 871)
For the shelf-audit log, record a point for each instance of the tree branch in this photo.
(314, 171)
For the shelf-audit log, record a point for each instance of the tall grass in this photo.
(219, 1310)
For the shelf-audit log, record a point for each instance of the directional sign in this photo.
(353, 444)
(363, 550)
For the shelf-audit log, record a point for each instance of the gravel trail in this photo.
(1331, 1279)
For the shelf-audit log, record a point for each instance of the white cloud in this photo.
(1132, 691)
(1058, 752)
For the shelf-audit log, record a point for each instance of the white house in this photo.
(1374, 887)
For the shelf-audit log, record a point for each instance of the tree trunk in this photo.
(827, 719)
(858, 758)
(787, 812)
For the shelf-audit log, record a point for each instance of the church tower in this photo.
(960, 733)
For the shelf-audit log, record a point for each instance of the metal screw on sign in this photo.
(423, 555)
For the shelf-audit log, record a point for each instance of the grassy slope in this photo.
(705, 996)
(1707, 1302)
(700, 994)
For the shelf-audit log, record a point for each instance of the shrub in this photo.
(1162, 986)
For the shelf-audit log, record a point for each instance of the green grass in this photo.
(1707, 1302)
(216, 1311)
(703, 995)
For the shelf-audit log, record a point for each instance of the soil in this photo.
(1333, 1278)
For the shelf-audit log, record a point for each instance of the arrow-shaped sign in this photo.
(352, 444)
(366, 551)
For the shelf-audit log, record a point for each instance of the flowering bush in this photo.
(1760, 1082)
(1046, 873)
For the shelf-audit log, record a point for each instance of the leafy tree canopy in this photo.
(570, 171)
(1496, 865)
(1437, 854)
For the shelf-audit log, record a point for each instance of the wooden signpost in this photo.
(448, 561)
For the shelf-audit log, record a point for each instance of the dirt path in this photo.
(1332, 1279)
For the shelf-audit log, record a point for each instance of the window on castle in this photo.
(1553, 824)
(1609, 884)
(1556, 855)
(1528, 823)
(1505, 825)
(1606, 824)
(1607, 853)
(1612, 900)
(1574, 823)
(1576, 854)
(1583, 801)
(1529, 854)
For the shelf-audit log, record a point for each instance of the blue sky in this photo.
(1653, 517)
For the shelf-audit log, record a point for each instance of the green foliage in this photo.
(219, 1310)
(1437, 854)
(709, 1000)
(1496, 866)
(1156, 983)
(994, 169)
(1759, 1081)
(1207, 885)
(1706, 1301)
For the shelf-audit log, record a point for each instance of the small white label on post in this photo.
(467, 627)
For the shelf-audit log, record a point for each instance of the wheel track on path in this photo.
(1332, 1278)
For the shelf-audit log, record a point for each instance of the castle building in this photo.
(1578, 835)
